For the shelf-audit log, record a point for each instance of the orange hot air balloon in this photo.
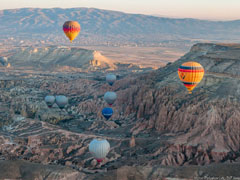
(190, 73)
(71, 29)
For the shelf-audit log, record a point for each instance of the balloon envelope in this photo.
(107, 112)
(110, 78)
(99, 149)
(50, 100)
(110, 97)
(190, 73)
(71, 29)
(3, 61)
(61, 101)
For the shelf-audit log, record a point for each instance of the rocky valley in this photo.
(158, 130)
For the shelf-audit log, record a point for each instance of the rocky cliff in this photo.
(201, 128)
(60, 58)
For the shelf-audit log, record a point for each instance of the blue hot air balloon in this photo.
(107, 112)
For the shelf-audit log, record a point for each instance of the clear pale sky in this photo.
(203, 9)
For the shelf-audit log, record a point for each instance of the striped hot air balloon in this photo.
(190, 73)
(71, 29)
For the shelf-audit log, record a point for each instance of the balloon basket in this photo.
(99, 160)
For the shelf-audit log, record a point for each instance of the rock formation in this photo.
(158, 130)
(60, 58)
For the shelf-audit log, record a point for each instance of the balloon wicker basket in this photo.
(99, 160)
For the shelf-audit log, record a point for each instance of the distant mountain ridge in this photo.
(111, 25)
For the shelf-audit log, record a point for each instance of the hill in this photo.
(110, 26)
(62, 58)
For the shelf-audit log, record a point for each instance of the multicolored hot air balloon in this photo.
(110, 97)
(50, 100)
(107, 112)
(71, 29)
(61, 101)
(99, 149)
(190, 73)
(110, 78)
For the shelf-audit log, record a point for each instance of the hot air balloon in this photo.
(71, 29)
(110, 97)
(50, 100)
(61, 101)
(111, 78)
(99, 149)
(4, 61)
(190, 73)
(107, 112)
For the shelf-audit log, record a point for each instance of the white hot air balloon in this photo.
(3, 61)
(50, 100)
(110, 97)
(110, 78)
(61, 101)
(99, 149)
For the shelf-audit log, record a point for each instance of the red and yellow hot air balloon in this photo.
(71, 29)
(190, 73)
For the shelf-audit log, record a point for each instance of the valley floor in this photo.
(154, 57)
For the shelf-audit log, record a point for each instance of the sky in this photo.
(201, 9)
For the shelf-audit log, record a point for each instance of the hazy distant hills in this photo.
(112, 25)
